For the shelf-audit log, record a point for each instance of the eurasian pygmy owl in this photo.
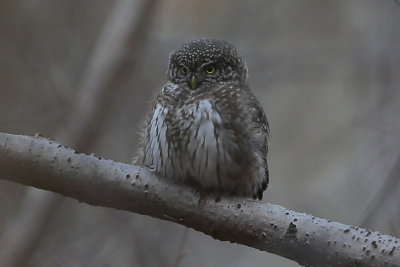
(206, 125)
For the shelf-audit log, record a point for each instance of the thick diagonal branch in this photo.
(303, 238)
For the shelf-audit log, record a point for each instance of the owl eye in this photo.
(210, 69)
(183, 70)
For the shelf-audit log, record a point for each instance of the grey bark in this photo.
(306, 239)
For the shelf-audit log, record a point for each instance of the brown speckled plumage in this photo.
(206, 125)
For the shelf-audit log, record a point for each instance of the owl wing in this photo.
(259, 118)
(248, 117)
(262, 118)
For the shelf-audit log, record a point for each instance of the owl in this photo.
(206, 126)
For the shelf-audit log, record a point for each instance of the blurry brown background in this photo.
(326, 72)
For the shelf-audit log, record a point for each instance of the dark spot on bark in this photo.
(218, 199)
(263, 235)
(239, 206)
(373, 243)
(391, 252)
(146, 186)
(346, 231)
(128, 176)
(137, 176)
(291, 231)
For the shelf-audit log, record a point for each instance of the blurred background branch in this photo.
(112, 61)
(383, 197)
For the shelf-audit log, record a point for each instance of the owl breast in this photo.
(189, 143)
(196, 142)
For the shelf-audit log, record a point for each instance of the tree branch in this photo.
(306, 239)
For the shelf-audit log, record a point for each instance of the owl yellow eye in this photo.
(183, 70)
(210, 69)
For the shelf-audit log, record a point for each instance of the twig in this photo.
(180, 255)
(386, 190)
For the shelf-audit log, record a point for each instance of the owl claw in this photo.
(260, 194)
(202, 200)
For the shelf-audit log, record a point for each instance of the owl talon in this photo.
(202, 200)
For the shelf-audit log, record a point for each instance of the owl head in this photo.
(206, 62)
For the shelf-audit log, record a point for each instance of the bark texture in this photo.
(308, 240)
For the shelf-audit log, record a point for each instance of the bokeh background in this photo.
(326, 72)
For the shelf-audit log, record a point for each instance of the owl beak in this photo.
(193, 82)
